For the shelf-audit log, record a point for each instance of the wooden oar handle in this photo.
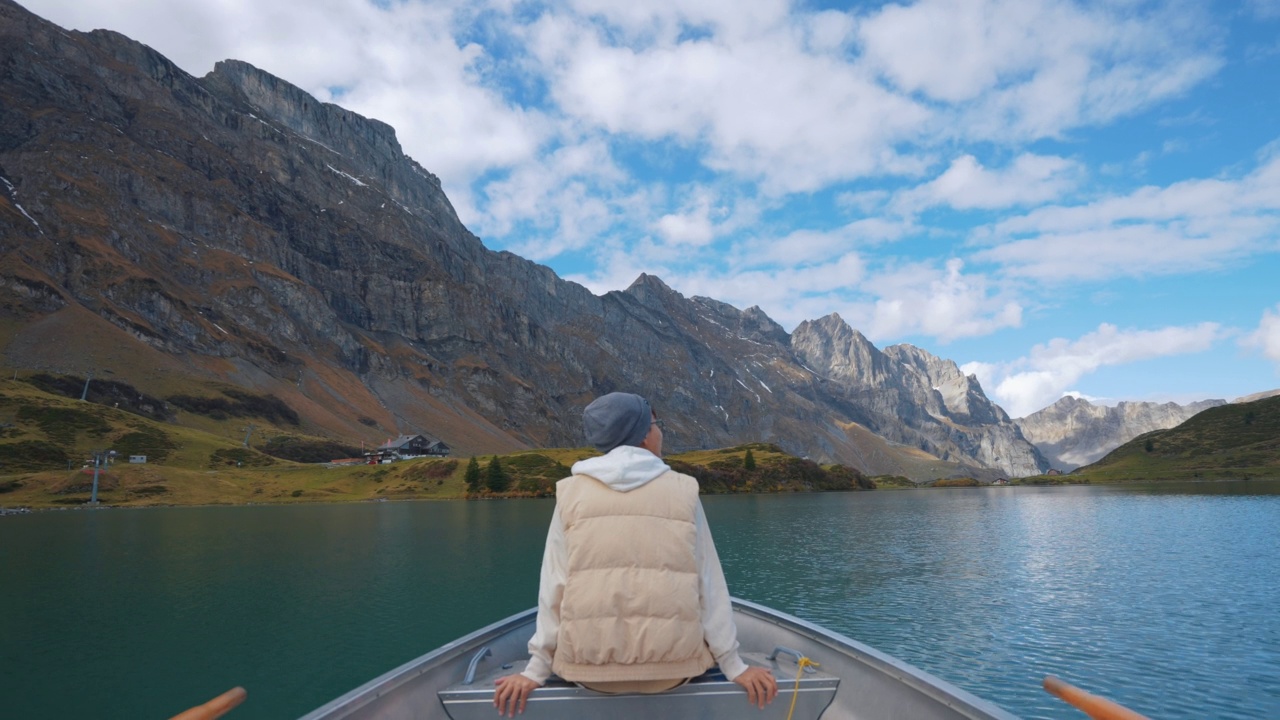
(216, 707)
(1098, 708)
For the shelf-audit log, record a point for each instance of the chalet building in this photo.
(408, 446)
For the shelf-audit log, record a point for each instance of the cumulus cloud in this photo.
(944, 303)
(705, 214)
(575, 194)
(967, 185)
(1033, 68)
(1028, 384)
(1266, 339)
(1188, 226)
(758, 103)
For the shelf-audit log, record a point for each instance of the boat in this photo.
(821, 674)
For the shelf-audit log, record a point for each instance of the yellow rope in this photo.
(795, 693)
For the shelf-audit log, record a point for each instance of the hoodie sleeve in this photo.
(717, 610)
(542, 646)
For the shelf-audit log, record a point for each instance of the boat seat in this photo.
(709, 696)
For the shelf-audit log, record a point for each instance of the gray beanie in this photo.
(616, 419)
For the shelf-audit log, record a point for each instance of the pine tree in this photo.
(495, 476)
(472, 476)
(749, 461)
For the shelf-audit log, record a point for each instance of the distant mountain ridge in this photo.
(171, 230)
(1073, 432)
(1257, 396)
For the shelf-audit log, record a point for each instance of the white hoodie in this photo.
(626, 468)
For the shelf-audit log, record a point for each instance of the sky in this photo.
(1062, 197)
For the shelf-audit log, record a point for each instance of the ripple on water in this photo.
(1166, 603)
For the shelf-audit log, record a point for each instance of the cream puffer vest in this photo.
(631, 608)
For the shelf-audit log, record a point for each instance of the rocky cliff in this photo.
(913, 398)
(1073, 432)
(231, 230)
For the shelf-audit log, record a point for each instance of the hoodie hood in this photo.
(624, 468)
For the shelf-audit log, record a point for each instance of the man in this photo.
(632, 597)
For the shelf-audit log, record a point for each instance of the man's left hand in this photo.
(512, 694)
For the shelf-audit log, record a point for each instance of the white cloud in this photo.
(666, 20)
(967, 185)
(758, 104)
(1186, 227)
(1266, 339)
(1028, 384)
(808, 247)
(571, 196)
(940, 302)
(706, 214)
(1034, 68)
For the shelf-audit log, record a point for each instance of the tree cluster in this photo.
(777, 474)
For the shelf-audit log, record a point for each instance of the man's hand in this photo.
(760, 684)
(513, 691)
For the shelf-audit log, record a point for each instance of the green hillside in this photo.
(1231, 442)
(47, 440)
(195, 456)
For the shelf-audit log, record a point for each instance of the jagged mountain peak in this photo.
(645, 282)
(1072, 401)
(831, 323)
(832, 342)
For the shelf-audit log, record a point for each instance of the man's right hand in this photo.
(760, 685)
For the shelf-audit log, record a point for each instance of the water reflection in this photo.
(1155, 596)
(1163, 598)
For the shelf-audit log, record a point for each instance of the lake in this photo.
(1166, 599)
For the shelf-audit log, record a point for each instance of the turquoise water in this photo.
(1163, 599)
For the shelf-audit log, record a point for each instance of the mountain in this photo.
(1257, 396)
(1073, 432)
(1236, 441)
(913, 398)
(227, 234)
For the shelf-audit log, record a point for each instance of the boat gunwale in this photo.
(919, 680)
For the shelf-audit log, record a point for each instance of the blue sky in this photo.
(1062, 197)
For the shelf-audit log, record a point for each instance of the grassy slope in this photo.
(187, 466)
(1231, 442)
(206, 464)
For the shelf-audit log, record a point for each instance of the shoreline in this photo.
(6, 511)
